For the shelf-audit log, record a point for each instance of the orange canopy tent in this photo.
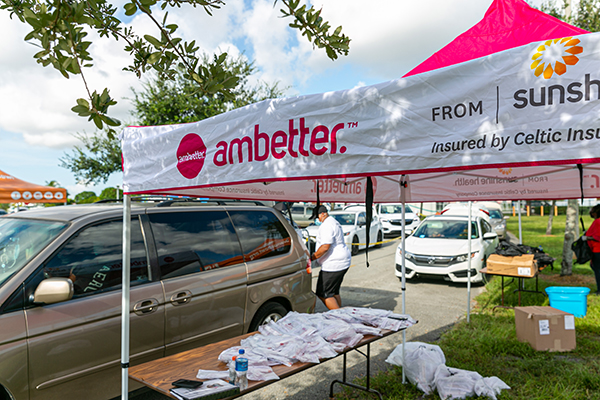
(13, 190)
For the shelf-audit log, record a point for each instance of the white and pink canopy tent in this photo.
(505, 112)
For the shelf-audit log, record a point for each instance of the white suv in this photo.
(439, 247)
(390, 215)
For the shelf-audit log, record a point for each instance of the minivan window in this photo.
(261, 233)
(92, 258)
(190, 242)
(496, 214)
(21, 240)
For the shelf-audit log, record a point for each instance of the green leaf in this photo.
(97, 121)
(130, 9)
(81, 110)
(154, 41)
(110, 121)
(154, 57)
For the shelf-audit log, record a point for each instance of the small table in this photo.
(520, 284)
(160, 373)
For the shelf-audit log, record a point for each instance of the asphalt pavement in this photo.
(436, 304)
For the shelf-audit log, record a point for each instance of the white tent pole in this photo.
(520, 228)
(125, 297)
(469, 266)
(403, 200)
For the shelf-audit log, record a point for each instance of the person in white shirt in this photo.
(334, 257)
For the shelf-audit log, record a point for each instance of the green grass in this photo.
(488, 343)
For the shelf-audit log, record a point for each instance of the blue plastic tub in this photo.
(571, 299)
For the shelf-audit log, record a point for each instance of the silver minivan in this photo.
(199, 274)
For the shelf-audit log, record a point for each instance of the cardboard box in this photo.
(523, 266)
(545, 328)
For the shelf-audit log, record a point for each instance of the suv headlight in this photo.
(463, 257)
(407, 256)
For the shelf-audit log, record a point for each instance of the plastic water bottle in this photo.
(241, 371)
(232, 370)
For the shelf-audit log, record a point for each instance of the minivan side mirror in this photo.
(490, 235)
(53, 290)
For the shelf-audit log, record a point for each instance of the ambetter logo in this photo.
(190, 155)
(554, 55)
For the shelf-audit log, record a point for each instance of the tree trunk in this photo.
(566, 266)
(550, 218)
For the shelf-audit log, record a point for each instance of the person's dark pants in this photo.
(329, 283)
(595, 264)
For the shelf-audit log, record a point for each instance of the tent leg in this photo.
(469, 266)
(403, 241)
(520, 228)
(125, 297)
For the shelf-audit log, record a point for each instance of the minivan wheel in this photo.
(267, 313)
(354, 245)
(4, 394)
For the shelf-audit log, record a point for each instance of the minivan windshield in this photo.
(446, 229)
(21, 240)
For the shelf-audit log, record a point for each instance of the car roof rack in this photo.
(196, 201)
(167, 201)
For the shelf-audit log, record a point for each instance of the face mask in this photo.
(317, 222)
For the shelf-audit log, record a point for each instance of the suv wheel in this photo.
(379, 240)
(354, 245)
(267, 313)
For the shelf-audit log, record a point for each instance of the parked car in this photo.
(439, 247)
(390, 215)
(497, 218)
(302, 213)
(199, 274)
(354, 224)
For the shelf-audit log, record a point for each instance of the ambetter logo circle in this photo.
(190, 155)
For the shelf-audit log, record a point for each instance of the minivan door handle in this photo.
(181, 298)
(145, 306)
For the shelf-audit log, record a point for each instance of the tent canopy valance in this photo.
(14, 190)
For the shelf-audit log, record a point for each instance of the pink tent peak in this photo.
(506, 24)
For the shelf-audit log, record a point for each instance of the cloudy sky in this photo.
(389, 38)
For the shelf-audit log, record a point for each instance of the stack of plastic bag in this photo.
(310, 338)
(425, 366)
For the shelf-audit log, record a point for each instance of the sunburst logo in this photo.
(554, 55)
(505, 171)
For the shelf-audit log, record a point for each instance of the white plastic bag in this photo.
(422, 360)
(210, 374)
(490, 387)
(256, 373)
(455, 383)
